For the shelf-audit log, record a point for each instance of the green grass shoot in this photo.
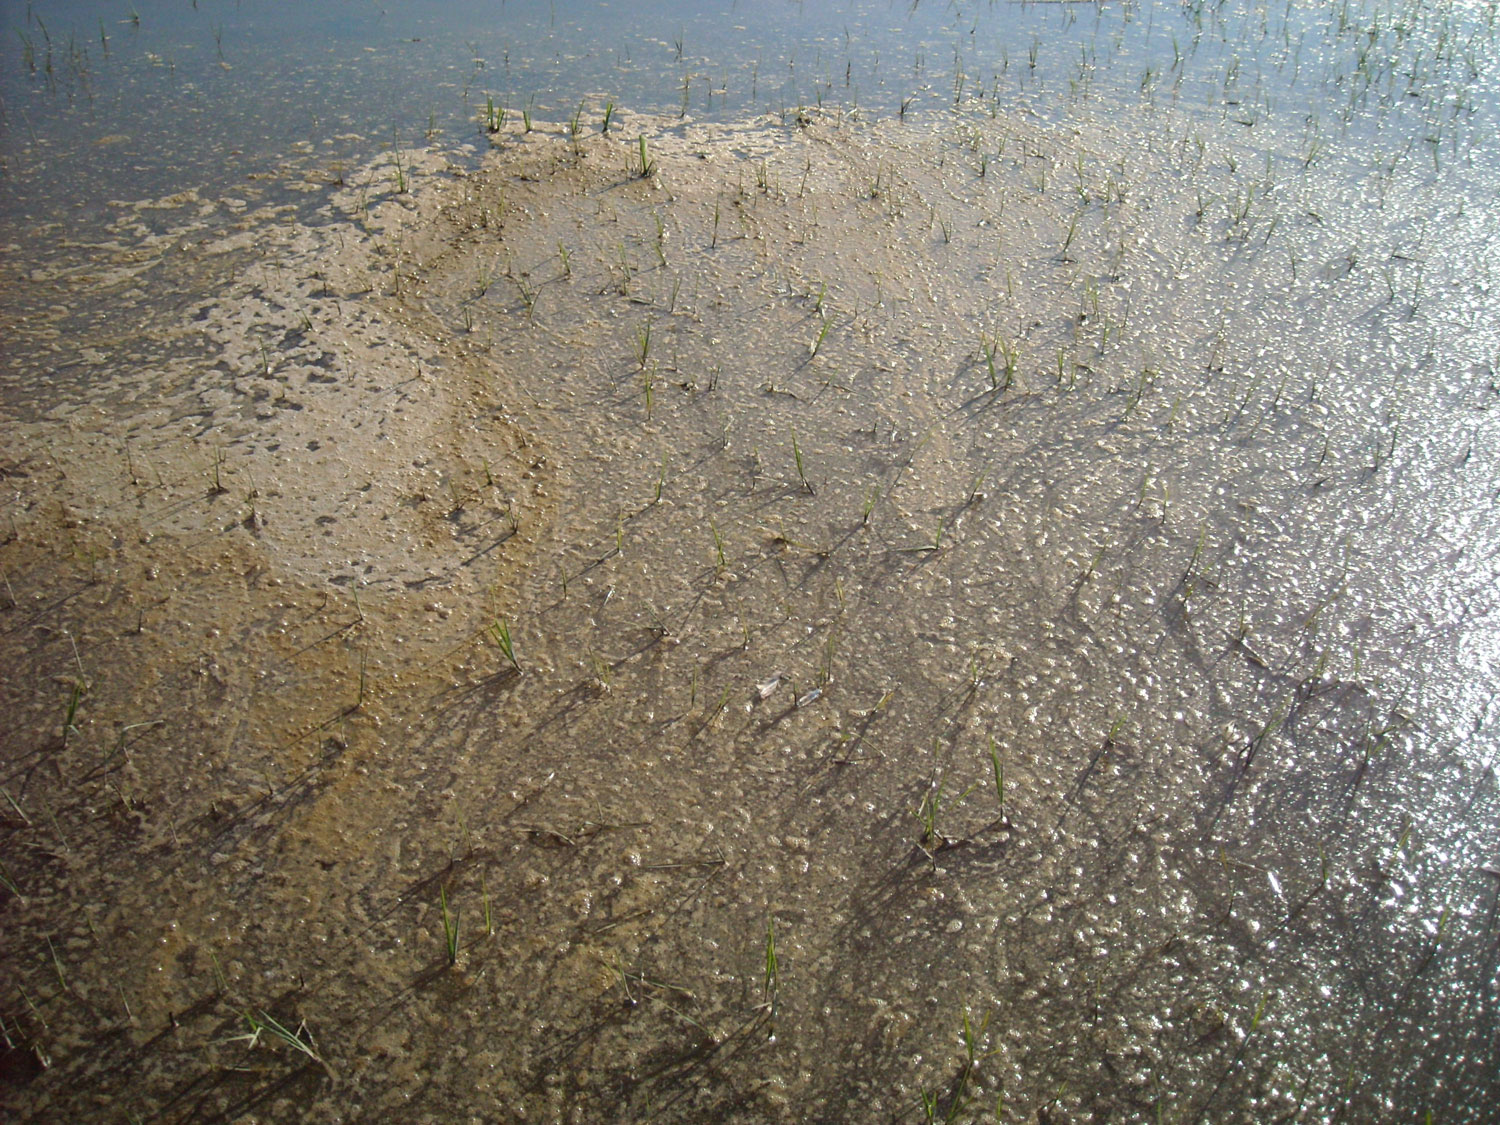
(927, 812)
(988, 347)
(999, 770)
(70, 713)
(822, 335)
(9, 883)
(266, 1026)
(643, 343)
(450, 927)
(718, 544)
(500, 632)
(801, 468)
(770, 986)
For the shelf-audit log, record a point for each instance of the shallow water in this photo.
(1000, 594)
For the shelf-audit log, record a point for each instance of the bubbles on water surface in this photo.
(1152, 509)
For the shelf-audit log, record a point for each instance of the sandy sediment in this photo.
(806, 470)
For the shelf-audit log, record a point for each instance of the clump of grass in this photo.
(995, 346)
(500, 632)
(960, 1098)
(643, 344)
(647, 167)
(265, 1026)
(999, 771)
(933, 839)
(494, 115)
(989, 345)
(927, 813)
(529, 294)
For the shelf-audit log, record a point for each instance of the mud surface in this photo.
(796, 621)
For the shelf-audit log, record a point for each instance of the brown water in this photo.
(1002, 620)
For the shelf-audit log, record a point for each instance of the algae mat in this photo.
(814, 621)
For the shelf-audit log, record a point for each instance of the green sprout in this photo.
(500, 632)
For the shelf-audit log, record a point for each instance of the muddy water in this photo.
(1001, 615)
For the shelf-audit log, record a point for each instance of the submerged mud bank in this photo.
(807, 621)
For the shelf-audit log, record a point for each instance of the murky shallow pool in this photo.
(829, 614)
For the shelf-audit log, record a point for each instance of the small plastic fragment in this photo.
(764, 689)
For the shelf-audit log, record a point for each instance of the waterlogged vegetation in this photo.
(934, 567)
